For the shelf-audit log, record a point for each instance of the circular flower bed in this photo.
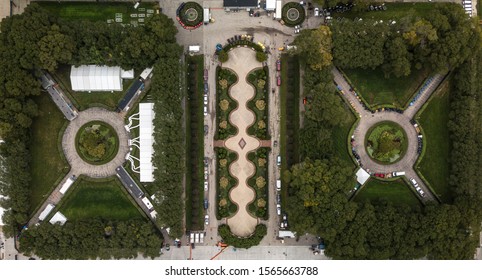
(190, 15)
(386, 142)
(97, 142)
(293, 14)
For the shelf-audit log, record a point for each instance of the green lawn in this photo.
(435, 163)
(84, 100)
(47, 165)
(397, 192)
(394, 11)
(377, 90)
(104, 199)
(95, 11)
(339, 136)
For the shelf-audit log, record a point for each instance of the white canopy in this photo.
(96, 78)
(270, 5)
(362, 176)
(58, 218)
(146, 141)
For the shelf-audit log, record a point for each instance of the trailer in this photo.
(147, 203)
(146, 74)
(46, 212)
(207, 15)
(65, 187)
(201, 237)
(279, 7)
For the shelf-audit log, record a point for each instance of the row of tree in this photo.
(169, 147)
(440, 41)
(92, 239)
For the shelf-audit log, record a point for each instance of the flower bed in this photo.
(225, 104)
(259, 182)
(190, 15)
(97, 142)
(386, 142)
(293, 14)
(224, 183)
(259, 104)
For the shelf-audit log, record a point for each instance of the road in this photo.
(368, 119)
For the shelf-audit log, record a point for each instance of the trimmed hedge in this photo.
(238, 242)
(284, 14)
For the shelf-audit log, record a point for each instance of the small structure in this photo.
(58, 218)
(147, 203)
(194, 49)
(46, 212)
(279, 8)
(206, 15)
(270, 5)
(146, 74)
(286, 234)
(362, 176)
(65, 187)
(127, 74)
(146, 141)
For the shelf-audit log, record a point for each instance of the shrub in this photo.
(224, 104)
(260, 104)
(229, 238)
(261, 162)
(261, 83)
(261, 203)
(223, 83)
(261, 56)
(260, 182)
(223, 162)
(223, 182)
(223, 56)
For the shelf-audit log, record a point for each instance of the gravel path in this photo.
(242, 61)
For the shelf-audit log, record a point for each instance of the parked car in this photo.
(278, 80)
(206, 219)
(206, 186)
(205, 110)
(206, 204)
(278, 65)
(278, 198)
(205, 99)
(317, 12)
(278, 160)
(278, 209)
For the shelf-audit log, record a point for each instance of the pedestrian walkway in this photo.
(368, 119)
(242, 61)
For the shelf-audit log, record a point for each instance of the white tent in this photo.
(96, 78)
(58, 218)
(2, 210)
(127, 74)
(270, 5)
(146, 141)
(362, 176)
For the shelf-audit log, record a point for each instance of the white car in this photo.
(205, 110)
(317, 12)
(205, 99)
(206, 219)
(278, 209)
(206, 186)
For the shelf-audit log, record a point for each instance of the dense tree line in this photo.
(92, 239)
(38, 40)
(169, 144)
(441, 41)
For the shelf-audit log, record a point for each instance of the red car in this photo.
(380, 175)
(278, 81)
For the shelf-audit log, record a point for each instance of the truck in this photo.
(398, 173)
(65, 187)
(279, 7)
(46, 212)
(207, 15)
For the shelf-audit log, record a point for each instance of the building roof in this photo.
(96, 78)
(270, 4)
(240, 3)
(146, 141)
(362, 176)
(131, 92)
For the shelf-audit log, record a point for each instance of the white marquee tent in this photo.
(58, 218)
(146, 141)
(96, 78)
(362, 176)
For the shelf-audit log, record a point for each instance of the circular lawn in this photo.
(386, 142)
(96, 142)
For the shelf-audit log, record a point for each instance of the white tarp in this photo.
(96, 78)
(127, 74)
(58, 218)
(46, 212)
(146, 141)
(2, 210)
(270, 5)
(362, 176)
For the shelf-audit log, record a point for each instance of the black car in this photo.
(206, 204)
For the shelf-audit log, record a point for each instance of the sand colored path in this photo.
(242, 61)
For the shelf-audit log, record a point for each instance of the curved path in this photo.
(242, 61)
(368, 119)
(78, 165)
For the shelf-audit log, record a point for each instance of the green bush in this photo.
(223, 56)
(232, 240)
(261, 56)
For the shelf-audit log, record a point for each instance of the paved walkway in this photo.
(68, 143)
(242, 61)
(368, 119)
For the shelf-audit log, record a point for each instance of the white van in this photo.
(278, 160)
(399, 173)
(278, 185)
